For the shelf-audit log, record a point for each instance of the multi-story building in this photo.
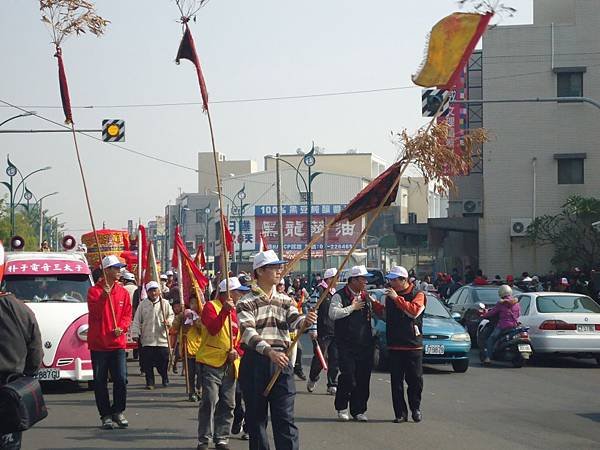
(540, 152)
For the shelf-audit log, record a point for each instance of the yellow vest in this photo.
(213, 350)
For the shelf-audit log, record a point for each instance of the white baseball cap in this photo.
(169, 272)
(527, 279)
(234, 285)
(266, 258)
(332, 272)
(112, 261)
(396, 272)
(151, 285)
(163, 277)
(359, 271)
(129, 276)
(564, 281)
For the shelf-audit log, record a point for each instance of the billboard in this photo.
(295, 227)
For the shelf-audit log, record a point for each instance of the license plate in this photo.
(434, 349)
(524, 348)
(48, 374)
(586, 328)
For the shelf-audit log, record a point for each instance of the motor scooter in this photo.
(512, 345)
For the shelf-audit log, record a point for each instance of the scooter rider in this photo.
(508, 312)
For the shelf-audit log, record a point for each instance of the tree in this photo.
(24, 227)
(576, 242)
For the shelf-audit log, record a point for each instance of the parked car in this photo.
(465, 302)
(562, 323)
(445, 341)
(377, 280)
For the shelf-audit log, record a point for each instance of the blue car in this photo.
(445, 341)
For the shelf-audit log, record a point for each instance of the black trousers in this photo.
(255, 373)
(298, 362)
(330, 352)
(354, 380)
(155, 357)
(239, 414)
(406, 365)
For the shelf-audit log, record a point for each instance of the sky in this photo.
(249, 50)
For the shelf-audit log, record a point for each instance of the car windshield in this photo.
(435, 308)
(566, 304)
(70, 288)
(487, 296)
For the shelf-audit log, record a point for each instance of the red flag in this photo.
(200, 258)
(143, 246)
(187, 50)
(227, 233)
(370, 197)
(191, 270)
(64, 88)
(262, 243)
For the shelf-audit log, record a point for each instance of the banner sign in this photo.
(46, 267)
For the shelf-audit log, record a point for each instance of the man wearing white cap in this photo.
(404, 306)
(150, 327)
(107, 342)
(266, 317)
(351, 309)
(218, 359)
(324, 338)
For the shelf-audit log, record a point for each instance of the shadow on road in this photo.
(592, 416)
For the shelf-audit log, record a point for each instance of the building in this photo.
(541, 152)
(207, 181)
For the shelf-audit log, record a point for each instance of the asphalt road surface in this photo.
(547, 405)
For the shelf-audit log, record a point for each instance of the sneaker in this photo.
(107, 423)
(361, 418)
(120, 420)
(487, 360)
(175, 370)
(150, 387)
(310, 386)
(165, 383)
(245, 436)
(417, 416)
(222, 445)
(401, 419)
(193, 398)
(332, 390)
(343, 415)
(300, 374)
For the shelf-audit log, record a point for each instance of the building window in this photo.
(570, 167)
(199, 215)
(569, 84)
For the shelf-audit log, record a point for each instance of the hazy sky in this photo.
(248, 49)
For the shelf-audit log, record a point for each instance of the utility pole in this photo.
(279, 210)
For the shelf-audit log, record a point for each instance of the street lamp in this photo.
(25, 114)
(182, 210)
(40, 202)
(241, 194)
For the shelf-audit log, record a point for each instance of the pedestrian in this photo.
(563, 285)
(323, 337)
(150, 327)
(351, 309)
(218, 358)
(404, 306)
(109, 318)
(298, 294)
(21, 350)
(187, 327)
(266, 317)
(164, 289)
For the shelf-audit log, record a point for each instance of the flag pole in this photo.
(334, 280)
(183, 340)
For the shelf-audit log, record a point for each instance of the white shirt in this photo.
(148, 322)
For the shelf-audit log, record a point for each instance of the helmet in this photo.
(504, 291)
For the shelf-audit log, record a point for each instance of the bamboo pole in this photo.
(182, 341)
(334, 280)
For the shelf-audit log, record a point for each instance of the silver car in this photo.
(562, 323)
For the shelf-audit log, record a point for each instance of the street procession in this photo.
(316, 225)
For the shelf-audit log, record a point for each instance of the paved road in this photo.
(548, 405)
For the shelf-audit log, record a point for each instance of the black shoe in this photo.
(417, 416)
(300, 374)
(401, 419)
(236, 428)
(202, 447)
(165, 383)
(222, 446)
(120, 420)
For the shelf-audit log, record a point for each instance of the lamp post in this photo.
(50, 218)
(241, 195)
(182, 210)
(25, 114)
(40, 202)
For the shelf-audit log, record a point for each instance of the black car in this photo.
(465, 301)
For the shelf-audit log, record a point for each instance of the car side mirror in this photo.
(456, 316)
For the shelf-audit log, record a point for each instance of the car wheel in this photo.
(460, 366)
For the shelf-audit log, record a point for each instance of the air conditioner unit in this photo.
(518, 227)
(472, 206)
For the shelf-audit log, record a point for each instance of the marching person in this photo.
(404, 306)
(164, 289)
(189, 321)
(150, 327)
(324, 337)
(351, 309)
(128, 282)
(266, 317)
(21, 350)
(218, 359)
(109, 302)
(298, 294)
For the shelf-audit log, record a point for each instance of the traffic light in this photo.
(113, 130)
(434, 100)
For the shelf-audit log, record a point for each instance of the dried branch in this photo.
(489, 6)
(67, 17)
(433, 154)
(189, 8)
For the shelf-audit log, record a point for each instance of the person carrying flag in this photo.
(218, 361)
(266, 317)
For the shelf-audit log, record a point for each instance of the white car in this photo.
(54, 286)
(562, 323)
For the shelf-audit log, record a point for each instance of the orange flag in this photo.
(451, 43)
